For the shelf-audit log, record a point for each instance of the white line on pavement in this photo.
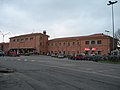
(105, 70)
(18, 59)
(25, 59)
(92, 72)
(33, 60)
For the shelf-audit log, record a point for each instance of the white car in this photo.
(60, 56)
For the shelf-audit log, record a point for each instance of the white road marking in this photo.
(18, 59)
(92, 72)
(89, 69)
(25, 60)
(105, 70)
(6, 74)
(32, 60)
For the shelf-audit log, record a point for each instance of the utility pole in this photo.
(112, 3)
(4, 34)
(107, 41)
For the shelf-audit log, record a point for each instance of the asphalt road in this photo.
(48, 73)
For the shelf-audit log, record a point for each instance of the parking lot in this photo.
(49, 73)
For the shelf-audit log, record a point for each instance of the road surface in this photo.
(48, 73)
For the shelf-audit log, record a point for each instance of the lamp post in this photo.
(107, 41)
(112, 3)
(107, 31)
(4, 34)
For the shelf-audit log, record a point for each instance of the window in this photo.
(73, 43)
(99, 52)
(31, 38)
(51, 44)
(22, 39)
(60, 44)
(51, 51)
(68, 44)
(87, 42)
(17, 40)
(40, 38)
(64, 43)
(99, 42)
(14, 40)
(40, 44)
(92, 42)
(26, 38)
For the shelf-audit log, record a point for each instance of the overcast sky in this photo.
(60, 18)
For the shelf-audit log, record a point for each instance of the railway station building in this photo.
(40, 44)
(90, 44)
(29, 43)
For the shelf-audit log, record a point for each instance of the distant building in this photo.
(91, 44)
(29, 43)
(39, 43)
(4, 46)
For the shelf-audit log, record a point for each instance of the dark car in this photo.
(76, 57)
(1, 53)
(70, 56)
(11, 53)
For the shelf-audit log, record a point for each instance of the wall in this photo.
(4, 46)
(78, 44)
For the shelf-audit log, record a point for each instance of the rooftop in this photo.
(31, 34)
(77, 37)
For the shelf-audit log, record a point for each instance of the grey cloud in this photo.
(75, 17)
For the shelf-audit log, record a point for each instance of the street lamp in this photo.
(107, 41)
(107, 31)
(4, 34)
(111, 3)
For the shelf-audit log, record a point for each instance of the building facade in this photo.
(29, 43)
(4, 46)
(91, 44)
(39, 43)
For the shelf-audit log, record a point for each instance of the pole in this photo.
(107, 41)
(3, 37)
(113, 24)
(111, 3)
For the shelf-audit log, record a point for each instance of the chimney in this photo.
(44, 32)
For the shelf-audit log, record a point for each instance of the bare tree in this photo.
(117, 36)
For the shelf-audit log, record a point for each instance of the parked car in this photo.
(1, 53)
(26, 54)
(76, 57)
(70, 56)
(48, 54)
(61, 56)
(54, 55)
(11, 53)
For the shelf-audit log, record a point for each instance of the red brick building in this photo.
(39, 43)
(29, 43)
(4, 46)
(91, 44)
